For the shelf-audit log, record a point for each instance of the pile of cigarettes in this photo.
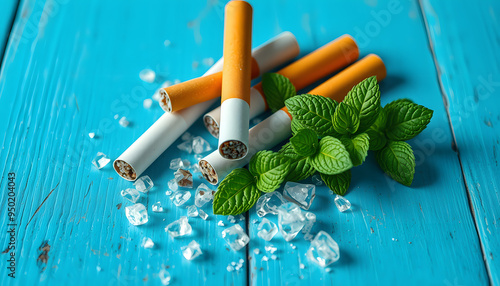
(230, 79)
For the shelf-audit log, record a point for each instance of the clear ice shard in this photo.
(144, 184)
(157, 208)
(100, 160)
(137, 214)
(172, 185)
(192, 250)
(323, 250)
(290, 220)
(203, 214)
(310, 220)
(130, 194)
(180, 197)
(301, 194)
(178, 163)
(269, 203)
(183, 178)
(147, 75)
(147, 242)
(342, 203)
(267, 229)
(179, 227)
(164, 277)
(123, 121)
(203, 195)
(236, 237)
(193, 211)
(186, 147)
(200, 145)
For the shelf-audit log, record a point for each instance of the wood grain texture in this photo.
(7, 14)
(466, 40)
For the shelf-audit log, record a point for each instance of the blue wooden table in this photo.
(68, 67)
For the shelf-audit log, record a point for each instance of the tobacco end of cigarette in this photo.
(211, 125)
(208, 172)
(125, 170)
(165, 102)
(233, 149)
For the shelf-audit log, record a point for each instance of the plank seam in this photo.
(2, 52)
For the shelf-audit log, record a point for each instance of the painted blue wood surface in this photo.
(61, 81)
(468, 59)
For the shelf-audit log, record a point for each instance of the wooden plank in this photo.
(7, 14)
(465, 41)
(423, 235)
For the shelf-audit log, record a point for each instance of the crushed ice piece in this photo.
(200, 145)
(179, 227)
(236, 237)
(192, 250)
(172, 185)
(302, 266)
(168, 192)
(187, 136)
(131, 195)
(293, 246)
(144, 184)
(124, 122)
(241, 261)
(164, 277)
(220, 223)
(265, 258)
(274, 257)
(98, 268)
(316, 179)
(290, 220)
(157, 208)
(116, 116)
(301, 194)
(269, 203)
(180, 197)
(195, 168)
(231, 219)
(255, 221)
(100, 160)
(203, 214)
(91, 135)
(193, 211)
(147, 103)
(241, 217)
(323, 250)
(167, 43)
(208, 61)
(308, 236)
(178, 163)
(198, 157)
(203, 195)
(137, 214)
(147, 242)
(147, 75)
(256, 251)
(186, 147)
(328, 270)
(267, 229)
(183, 178)
(230, 268)
(310, 220)
(270, 248)
(342, 203)
(233, 263)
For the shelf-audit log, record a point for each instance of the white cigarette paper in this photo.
(170, 126)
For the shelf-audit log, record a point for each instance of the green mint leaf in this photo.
(305, 142)
(332, 158)
(338, 183)
(300, 168)
(270, 168)
(314, 112)
(392, 103)
(277, 89)
(357, 147)
(365, 99)
(345, 119)
(406, 120)
(236, 194)
(397, 160)
(376, 132)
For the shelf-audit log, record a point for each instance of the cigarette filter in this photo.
(277, 127)
(170, 126)
(235, 97)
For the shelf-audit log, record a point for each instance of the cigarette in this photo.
(301, 73)
(170, 126)
(235, 94)
(277, 127)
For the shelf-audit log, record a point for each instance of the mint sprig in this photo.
(357, 147)
(236, 194)
(299, 169)
(270, 170)
(277, 89)
(345, 119)
(305, 142)
(338, 183)
(364, 98)
(332, 157)
(397, 160)
(406, 120)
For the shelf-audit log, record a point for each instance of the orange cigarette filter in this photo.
(338, 86)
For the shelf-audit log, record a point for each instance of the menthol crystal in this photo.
(267, 229)
(137, 214)
(144, 184)
(203, 195)
(342, 203)
(147, 243)
(274, 257)
(123, 121)
(131, 195)
(323, 250)
(290, 220)
(203, 214)
(193, 211)
(310, 220)
(316, 179)
(91, 135)
(185, 146)
(236, 237)
(270, 248)
(269, 203)
(157, 208)
(192, 250)
(220, 223)
(147, 103)
(200, 145)
(147, 75)
(164, 277)
(301, 194)
(183, 178)
(100, 160)
(179, 227)
(172, 185)
(180, 197)
(178, 163)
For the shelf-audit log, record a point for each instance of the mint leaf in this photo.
(314, 112)
(357, 147)
(305, 142)
(338, 183)
(376, 132)
(406, 120)
(332, 157)
(392, 103)
(345, 119)
(236, 194)
(364, 98)
(397, 160)
(299, 168)
(277, 88)
(270, 168)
